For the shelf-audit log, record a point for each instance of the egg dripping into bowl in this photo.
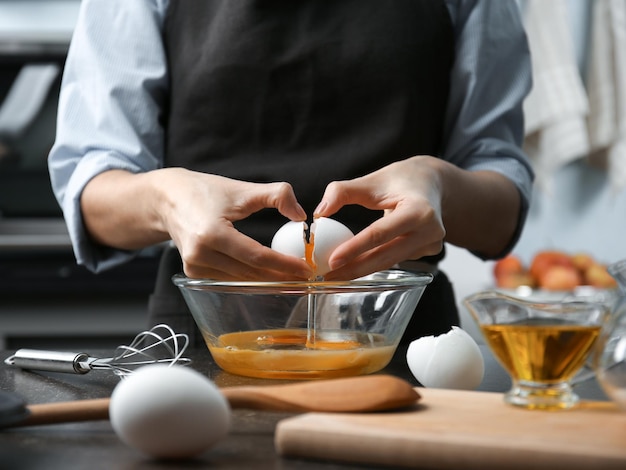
(314, 244)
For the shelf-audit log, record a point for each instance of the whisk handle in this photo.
(54, 361)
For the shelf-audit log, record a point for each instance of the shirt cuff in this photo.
(522, 176)
(92, 255)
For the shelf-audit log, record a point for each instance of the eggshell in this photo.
(451, 360)
(169, 412)
(328, 234)
(290, 240)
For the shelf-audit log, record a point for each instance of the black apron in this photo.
(307, 92)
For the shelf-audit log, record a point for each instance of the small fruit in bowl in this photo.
(515, 280)
(560, 277)
(596, 275)
(545, 260)
(583, 261)
(510, 273)
(553, 270)
(510, 264)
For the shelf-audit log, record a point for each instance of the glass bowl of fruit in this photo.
(552, 275)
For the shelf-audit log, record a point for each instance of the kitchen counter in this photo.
(94, 445)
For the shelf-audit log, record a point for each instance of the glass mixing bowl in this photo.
(314, 329)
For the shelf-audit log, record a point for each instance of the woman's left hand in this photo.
(409, 193)
(426, 201)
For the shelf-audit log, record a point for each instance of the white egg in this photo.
(451, 360)
(169, 412)
(326, 234)
(290, 239)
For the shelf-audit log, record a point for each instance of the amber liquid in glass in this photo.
(540, 351)
(289, 354)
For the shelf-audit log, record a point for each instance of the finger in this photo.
(207, 272)
(234, 270)
(260, 257)
(398, 224)
(279, 196)
(357, 191)
(381, 258)
(241, 257)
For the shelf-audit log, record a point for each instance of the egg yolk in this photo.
(309, 247)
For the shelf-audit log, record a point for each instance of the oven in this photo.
(45, 297)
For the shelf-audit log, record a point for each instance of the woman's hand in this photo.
(200, 221)
(411, 227)
(197, 212)
(426, 201)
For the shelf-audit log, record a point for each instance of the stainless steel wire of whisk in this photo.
(159, 345)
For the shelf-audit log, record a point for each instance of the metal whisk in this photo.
(159, 345)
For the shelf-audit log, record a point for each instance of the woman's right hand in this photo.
(196, 211)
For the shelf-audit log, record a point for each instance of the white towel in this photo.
(556, 108)
(607, 89)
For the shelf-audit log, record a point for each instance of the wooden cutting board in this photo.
(452, 429)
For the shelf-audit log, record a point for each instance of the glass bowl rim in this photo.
(566, 306)
(406, 279)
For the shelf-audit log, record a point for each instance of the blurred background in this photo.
(575, 134)
(575, 121)
(46, 300)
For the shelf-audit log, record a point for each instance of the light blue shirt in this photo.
(116, 79)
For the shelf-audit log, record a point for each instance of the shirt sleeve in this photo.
(490, 78)
(111, 97)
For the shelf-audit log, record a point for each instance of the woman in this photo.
(212, 123)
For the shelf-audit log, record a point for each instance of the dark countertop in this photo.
(94, 445)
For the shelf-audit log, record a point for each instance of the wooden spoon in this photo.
(354, 394)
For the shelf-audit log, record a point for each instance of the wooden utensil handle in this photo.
(67, 412)
(355, 394)
(254, 398)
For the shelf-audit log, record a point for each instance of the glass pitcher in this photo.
(542, 345)
(611, 361)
